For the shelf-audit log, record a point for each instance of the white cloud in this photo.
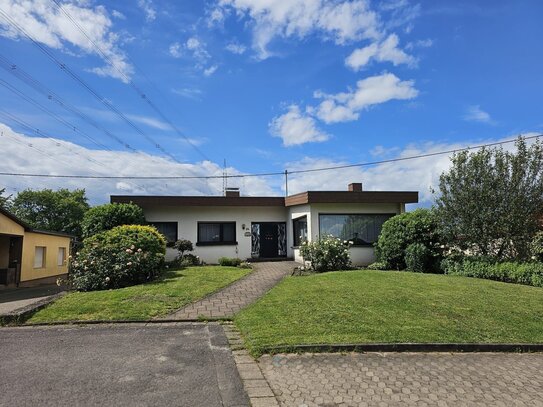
(149, 121)
(427, 43)
(296, 128)
(190, 93)
(386, 51)
(341, 21)
(476, 114)
(118, 14)
(210, 70)
(236, 48)
(175, 50)
(148, 9)
(370, 91)
(49, 26)
(66, 158)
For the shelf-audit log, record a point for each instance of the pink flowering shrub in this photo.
(120, 257)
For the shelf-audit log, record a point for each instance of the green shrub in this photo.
(377, 266)
(536, 247)
(418, 258)
(509, 272)
(105, 217)
(229, 261)
(397, 233)
(326, 254)
(120, 257)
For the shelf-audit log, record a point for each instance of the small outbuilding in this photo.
(30, 257)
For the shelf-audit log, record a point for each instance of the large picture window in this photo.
(361, 229)
(210, 233)
(299, 226)
(168, 229)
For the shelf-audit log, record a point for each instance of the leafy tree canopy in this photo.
(58, 211)
(490, 201)
(105, 217)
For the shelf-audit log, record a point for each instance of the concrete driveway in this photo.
(118, 365)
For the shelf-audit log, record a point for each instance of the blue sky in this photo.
(268, 85)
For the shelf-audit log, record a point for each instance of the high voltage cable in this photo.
(25, 77)
(140, 92)
(74, 76)
(266, 174)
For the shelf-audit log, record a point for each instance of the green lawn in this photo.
(375, 306)
(141, 302)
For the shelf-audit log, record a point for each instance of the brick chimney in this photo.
(232, 193)
(355, 187)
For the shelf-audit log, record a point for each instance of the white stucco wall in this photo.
(187, 219)
(295, 212)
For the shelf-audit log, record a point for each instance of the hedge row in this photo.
(509, 272)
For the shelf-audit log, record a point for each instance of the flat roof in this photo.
(307, 197)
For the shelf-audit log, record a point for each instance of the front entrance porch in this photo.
(268, 240)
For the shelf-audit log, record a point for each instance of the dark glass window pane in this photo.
(300, 230)
(360, 229)
(209, 232)
(217, 232)
(228, 232)
(168, 229)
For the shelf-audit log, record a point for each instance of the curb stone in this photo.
(404, 347)
(255, 384)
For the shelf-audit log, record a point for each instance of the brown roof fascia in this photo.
(353, 197)
(143, 200)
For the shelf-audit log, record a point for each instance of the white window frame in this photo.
(61, 256)
(40, 254)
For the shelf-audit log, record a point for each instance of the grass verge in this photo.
(141, 302)
(375, 306)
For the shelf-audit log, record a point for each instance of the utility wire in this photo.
(25, 77)
(266, 174)
(57, 142)
(139, 91)
(78, 79)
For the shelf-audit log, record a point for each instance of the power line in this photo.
(25, 77)
(78, 79)
(140, 93)
(266, 174)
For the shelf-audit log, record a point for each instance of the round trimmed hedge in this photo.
(120, 257)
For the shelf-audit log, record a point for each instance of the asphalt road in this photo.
(118, 365)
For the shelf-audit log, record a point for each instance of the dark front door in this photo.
(269, 245)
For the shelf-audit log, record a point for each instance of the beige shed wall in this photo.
(52, 243)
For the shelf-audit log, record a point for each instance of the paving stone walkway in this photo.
(406, 379)
(238, 295)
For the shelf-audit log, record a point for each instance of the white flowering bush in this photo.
(120, 257)
(326, 254)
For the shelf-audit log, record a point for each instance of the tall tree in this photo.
(490, 201)
(4, 200)
(59, 211)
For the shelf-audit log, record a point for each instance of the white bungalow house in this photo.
(254, 228)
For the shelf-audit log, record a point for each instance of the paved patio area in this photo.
(406, 379)
(231, 299)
